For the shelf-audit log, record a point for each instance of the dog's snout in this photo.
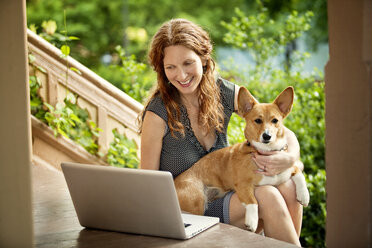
(266, 137)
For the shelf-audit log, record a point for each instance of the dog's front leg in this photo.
(302, 193)
(247, 198)
(251, 216)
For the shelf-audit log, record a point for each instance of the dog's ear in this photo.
(245, 101)
(285, 101)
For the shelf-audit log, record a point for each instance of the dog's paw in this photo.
(302, 193)
(303, 197)
(251, 217)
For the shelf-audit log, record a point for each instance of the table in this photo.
(56, 224)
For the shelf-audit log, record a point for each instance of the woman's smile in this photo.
(187, 83)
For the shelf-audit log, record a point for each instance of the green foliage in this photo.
(257, 35)
(136, 78)
(122, 152)
(313, 232)
(264, 38)
(67, 118)
(50, 34)
(101, 25)
(36, 102)
(73, 122)
(318, 33)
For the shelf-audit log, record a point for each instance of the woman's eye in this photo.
(274, 121)
(258, 121)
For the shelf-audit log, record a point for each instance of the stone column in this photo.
(349, 124)
(16, 226)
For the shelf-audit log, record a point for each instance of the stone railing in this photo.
(108, 106)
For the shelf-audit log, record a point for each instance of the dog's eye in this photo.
(274, 121)
(258, 121)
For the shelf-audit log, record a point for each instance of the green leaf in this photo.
(76, 70)
(50, 107)
(75, 118)
(31, 58)
(65, 49)
(41, 69)
(73, 38)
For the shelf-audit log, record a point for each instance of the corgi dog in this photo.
(232, 168)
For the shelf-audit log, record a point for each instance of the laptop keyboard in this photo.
(186, 225)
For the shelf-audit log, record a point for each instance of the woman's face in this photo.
(183, 68)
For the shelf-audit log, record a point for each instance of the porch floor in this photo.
(56, 224)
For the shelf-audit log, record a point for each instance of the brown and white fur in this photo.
(232, 168)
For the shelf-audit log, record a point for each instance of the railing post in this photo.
(102, 123)
(52, 89)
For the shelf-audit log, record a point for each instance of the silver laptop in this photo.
(130, 200)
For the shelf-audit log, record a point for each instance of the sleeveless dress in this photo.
(180, 153)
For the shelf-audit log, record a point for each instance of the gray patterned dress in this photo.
(179, 154)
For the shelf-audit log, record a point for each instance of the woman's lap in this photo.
(220, 208)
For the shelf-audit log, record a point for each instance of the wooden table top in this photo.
(56, 224)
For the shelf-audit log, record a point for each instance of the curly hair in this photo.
(186, 33)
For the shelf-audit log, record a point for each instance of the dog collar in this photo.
(285, 148)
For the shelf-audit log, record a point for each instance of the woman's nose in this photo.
(181, 74)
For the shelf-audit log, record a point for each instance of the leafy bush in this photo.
(137, 79)
(313, 233)
(263, 38)
(36, 102)
(125, 72)
(73, 122)
(122, 152)
(265, 41)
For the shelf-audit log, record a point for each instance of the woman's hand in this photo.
(273, 163)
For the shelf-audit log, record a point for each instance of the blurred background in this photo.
(103, 25)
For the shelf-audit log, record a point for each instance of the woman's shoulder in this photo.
(225, 85)
(156, 105)
(227, 90)
(156, 101)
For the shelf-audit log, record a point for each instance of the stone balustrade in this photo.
(108, 106)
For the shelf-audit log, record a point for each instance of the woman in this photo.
(186, 118)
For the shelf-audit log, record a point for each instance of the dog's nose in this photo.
(266, 136)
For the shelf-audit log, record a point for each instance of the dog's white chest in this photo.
(277, 179)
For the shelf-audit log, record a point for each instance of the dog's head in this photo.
(264, 121)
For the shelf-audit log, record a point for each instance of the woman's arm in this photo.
(236, 107)
(272, 163)
(153, 129)
(294, 148)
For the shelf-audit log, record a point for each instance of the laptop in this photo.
(130, 200)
